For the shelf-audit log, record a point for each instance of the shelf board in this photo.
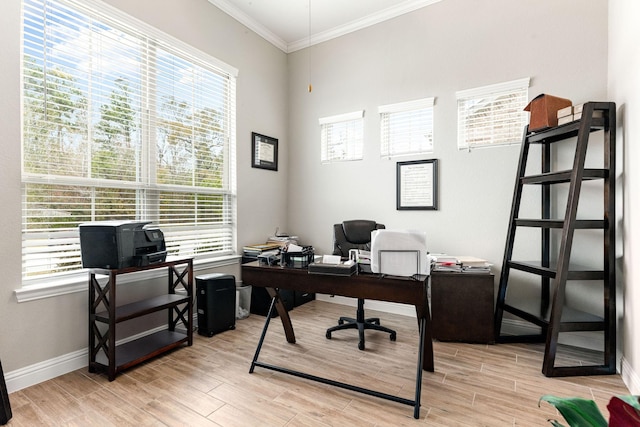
(141, 308)
(133, 352)
(569, 130)
(571, 320)
(575, 272)
(558, 223)
(564, 176)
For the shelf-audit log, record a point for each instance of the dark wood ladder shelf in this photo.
(554, 268)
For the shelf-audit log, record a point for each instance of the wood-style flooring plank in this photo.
(209, 384)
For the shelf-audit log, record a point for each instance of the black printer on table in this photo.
(121, 244)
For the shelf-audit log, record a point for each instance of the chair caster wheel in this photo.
(392, 336)
(361, 345)
(328, 335)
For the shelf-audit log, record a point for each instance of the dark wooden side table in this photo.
(5, 408)
(462, 306)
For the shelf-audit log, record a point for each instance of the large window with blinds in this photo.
(121, 121)
(406, 128)
(492, 115)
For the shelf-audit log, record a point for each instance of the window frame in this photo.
(354, 128)
(486, 96)
(75, 280)
(421, 111)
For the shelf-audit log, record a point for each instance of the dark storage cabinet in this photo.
(260, 300)
(216, 303)
(462, 306)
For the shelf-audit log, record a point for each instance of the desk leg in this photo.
(426, 344)
(284, 315)
(264, 332)
(416, 408)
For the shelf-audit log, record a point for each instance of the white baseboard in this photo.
(630, 377)
(44, 371)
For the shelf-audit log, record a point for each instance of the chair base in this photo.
(361, 324)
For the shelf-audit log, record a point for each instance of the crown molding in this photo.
(349, 27)
(250, 23)
(358, 24)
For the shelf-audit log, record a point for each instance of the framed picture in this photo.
(264, 152)
(417, 185)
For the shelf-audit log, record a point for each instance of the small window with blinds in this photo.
(406, 128)
(492, 115)
(341, 137)
(120, 121)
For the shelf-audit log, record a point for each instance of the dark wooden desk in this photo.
(368, 286)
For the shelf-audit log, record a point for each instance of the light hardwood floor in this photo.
(208, 384)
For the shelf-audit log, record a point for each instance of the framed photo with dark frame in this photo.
(417, 185)
(264, 152)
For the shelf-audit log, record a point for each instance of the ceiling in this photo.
(295, 24)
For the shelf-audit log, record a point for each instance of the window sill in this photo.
(78, 282)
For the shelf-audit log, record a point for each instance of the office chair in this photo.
(356, 234)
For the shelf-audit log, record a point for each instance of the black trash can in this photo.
(216, 303)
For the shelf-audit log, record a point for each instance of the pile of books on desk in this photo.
(267, 253)
(459, 264)
(252, 251)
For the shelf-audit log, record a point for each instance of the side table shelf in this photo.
(104, 354)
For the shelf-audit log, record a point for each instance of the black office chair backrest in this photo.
(354, 234)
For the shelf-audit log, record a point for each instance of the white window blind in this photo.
(121, 121)
(341, 137)
(406, 128)
(492, 115)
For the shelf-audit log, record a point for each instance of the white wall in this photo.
(624, 89)
(43, 330)
(435, 51)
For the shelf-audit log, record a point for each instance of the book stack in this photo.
(573, 113)
(565, 115)
(471, 264)
(253, 251)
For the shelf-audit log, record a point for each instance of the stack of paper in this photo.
(443, 262)
(471, 264)
(464, 264)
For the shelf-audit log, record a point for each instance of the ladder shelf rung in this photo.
(563, 176)
(568, 130)
(572, 320)
(558, 223)
(575, 272)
